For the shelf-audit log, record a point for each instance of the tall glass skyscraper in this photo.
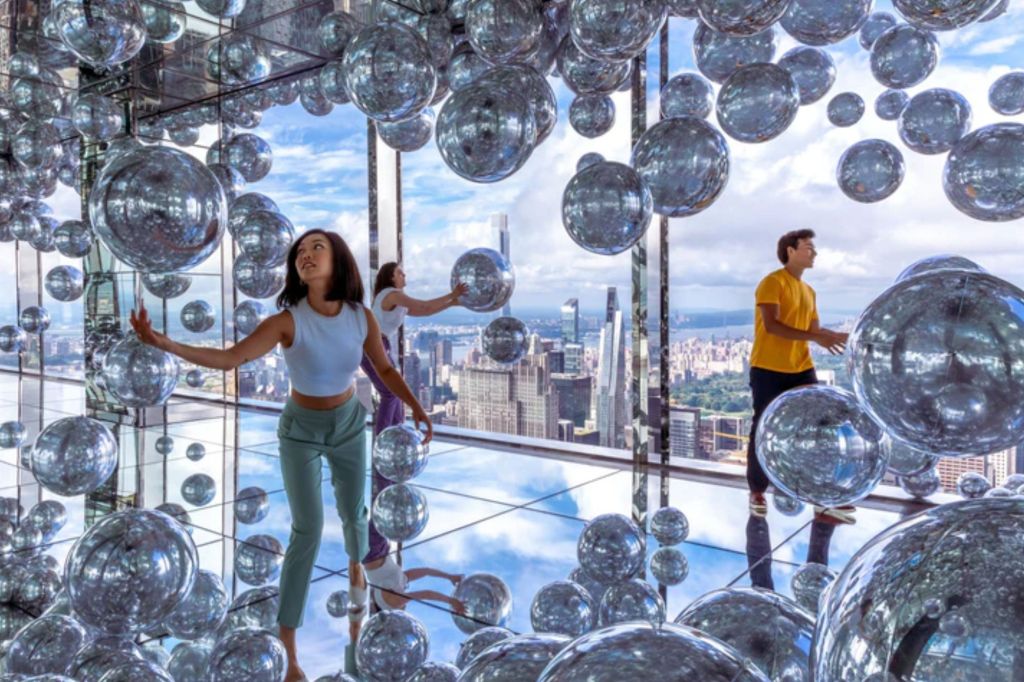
(570, 321)
(610, 398)
(499, 223)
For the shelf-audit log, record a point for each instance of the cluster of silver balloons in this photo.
(400, 511)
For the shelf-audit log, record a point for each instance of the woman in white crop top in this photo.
(325, 332)
(390, 305)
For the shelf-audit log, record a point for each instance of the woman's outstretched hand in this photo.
(418, 416)
(144, 328)
(459, 291)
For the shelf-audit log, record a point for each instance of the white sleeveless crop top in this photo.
(389, 320)
(326, 351)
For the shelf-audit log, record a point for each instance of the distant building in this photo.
(570, 321)
(556, 361)
(610, 406)
(574, 397)
(519, 400)
(729, 433)
(499, 223)
(566, 431)
(412, 372)
(684, 432)
(995, 467)
(826, 377)
(573, 358)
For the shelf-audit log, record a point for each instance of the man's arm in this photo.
(832, 341)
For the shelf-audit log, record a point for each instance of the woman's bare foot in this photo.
(294, 674)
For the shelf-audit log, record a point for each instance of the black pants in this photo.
(766, 386)
(759, 549)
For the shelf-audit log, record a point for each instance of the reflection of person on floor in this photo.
(388, 584)
(390, 306)
(324, 331)
(759, 547)
(785, 319)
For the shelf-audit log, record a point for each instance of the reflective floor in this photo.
(514, 515)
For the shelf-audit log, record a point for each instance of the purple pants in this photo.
(390, 411)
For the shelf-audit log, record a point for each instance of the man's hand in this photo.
(833, 342)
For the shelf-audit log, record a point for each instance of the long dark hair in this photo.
(347, 285)
(385, 278)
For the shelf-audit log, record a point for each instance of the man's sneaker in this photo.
(758, 505)
(836, 515)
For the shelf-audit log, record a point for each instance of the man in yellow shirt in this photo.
(785, 319)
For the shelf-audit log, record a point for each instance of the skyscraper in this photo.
(610, 408)
(518, 400)
(684, 432)
(499, 223)
(570, 321)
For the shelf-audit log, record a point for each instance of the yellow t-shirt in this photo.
(797, 309)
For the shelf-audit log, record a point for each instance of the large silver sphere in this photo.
(1006, 96)
(170, 285)
(669, 566)
(685, 163)
(615, 31)
(757, 102)
(399, 453)
(904, 56)
(950, 562)
(503, 31)
(585, 75)
(943, 15)
(238, 59)
(906, 460)
(741, 17)
(13, 339)
(940, 262)
(158, 209)
(46, 645)
(12, 434)
(936, 357)
(189, 661)
(669, 526)
(251, 505)
(639, 651)
(199, 489)
(202, 611)
(389, 74)
(770, 630)
(36, 145)
(534, 87)
(631, 600)
(335, 31)
(197, 316)
(890, 104)
(391, 646)
(250, 155)
(248, 315)
(400, 512)
(129, 570)
(222, 8)
(485, 134)
(244, 206)
(592, 115)
(258, 559)
(104, 33)
(165, 20)
(488, 601)
(73, 455)
(479, 641)
(809, 582)
(522, 657)
(505, 340)
(139, 375)
(718, 55)
(870, 170)
(607, 207)
(813, 70)
(34, 319)
(934, 120)
(258, 281)
(265, 237)
(563, 607)
(984, 170)
(251, 654)
(688, 94)
(490, 278)
(65, 283)
(845, 109)
(817, 444)
(875, 25)
(73, 238)
(610, 548)
(824, 22)
(410, 134)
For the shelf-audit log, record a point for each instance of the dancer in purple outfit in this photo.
(390, 306)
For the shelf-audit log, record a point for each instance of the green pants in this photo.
(305, 435)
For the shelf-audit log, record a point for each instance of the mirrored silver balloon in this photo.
(921, 485)
(687, 94)
(258, 559)
(13, 339)
(942, 15)
(607, 207)
(669, 526)
(389, 73)
(34, 319)
(984, 172)
(73, 238)
(588, 159)
(934, 120)
(718, 55)
(615, 31)
(64, 283)
(940, 262)
(824, 22)
(391, 646)
(757, 102)
(631, 600)
(906, 460)
(669, 566)
(195, 378)
(167, 286)
(813, 70)
(251, 505)
(165, 20)
(399, 453)
(610, 548)
(195, 452)
(877, 24)
(487, 599)
(202, 611)
(809, 583)
(248, 654)
(408, 135)
(104, 33)
(139, 375)
(46, 645)
(890, 104)
(503, 31)
(400, 512)
(741, 17)
(592, 115)
(258, 281)
(586, 75)
(265, 237)
(478, 642)
(534, 87)
(12, 434)
(845, 109)
(972, 484)
(870, 170)
(489, 276)
(1006, 95)
(432, 671)
(904, 56)
(199, 490)
(563, 607)
(222, 8)
(335, 31)
(238, 58)
(248, 315)
(197, 316)
(505, 340)
(250, 155)
(73, 455)
(36, 144)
